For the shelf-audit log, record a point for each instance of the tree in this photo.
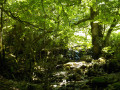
(1, 28)
(97, 14)
(37, 33)
(57, 20)
(96, 30)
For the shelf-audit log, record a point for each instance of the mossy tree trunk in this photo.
(1, 26)
(97, 37)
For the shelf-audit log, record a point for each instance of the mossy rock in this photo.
(74, 77)
(116, 86)
(92, 72)
(99, 82)
(86, 58)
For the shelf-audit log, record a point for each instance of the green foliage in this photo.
(37, 33)
(116, 86)
(107, 82)
(99, 81)
(113, 65)
(108, 52)
(114, 43)
(114, 40)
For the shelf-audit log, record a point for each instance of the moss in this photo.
(99, 82)
(113, 66)
(116, 86)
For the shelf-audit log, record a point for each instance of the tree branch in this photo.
(65, 14)
(10, 14)
(110, 31)
(80, 21)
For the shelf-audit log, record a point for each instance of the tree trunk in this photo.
(96, 40)
(106, 41)
(1, 26)
(96, 30)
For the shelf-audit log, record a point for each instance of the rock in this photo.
(102, 60)
(60, 66)
(75, 64)
(78, 70)
(99, 82)
(74, 77)
(87, 58)
(83, 67)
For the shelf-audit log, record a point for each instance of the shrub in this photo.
(113, 65)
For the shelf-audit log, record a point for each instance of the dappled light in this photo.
(59, 45)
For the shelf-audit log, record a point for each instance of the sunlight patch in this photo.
(80, 33)
(20, 0)
(117, 31)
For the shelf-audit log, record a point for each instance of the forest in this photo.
(59, 45)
